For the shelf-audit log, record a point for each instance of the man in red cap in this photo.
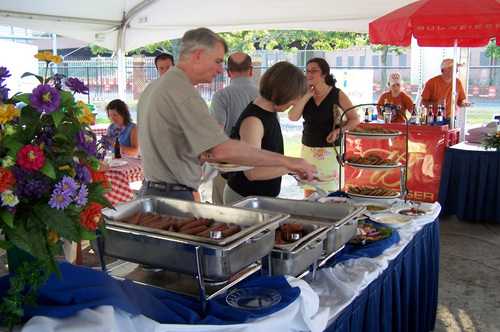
(437, 90)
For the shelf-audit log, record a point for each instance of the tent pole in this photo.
(454, 86)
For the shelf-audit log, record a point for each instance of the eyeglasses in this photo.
(311, 71)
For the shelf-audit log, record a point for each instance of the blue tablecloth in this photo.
(470, 183)
(404, 297)
(81, 287)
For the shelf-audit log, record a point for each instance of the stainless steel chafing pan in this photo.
(221, 258)
(341, 218)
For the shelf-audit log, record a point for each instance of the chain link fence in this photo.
(100, 74)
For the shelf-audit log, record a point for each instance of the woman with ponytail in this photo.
(321, 131)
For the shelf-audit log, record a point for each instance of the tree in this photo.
(289, 41)
(493, 52)
(385, 50)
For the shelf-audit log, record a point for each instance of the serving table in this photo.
(100, 129)
(426, 150)
(121, 177)
(470, 182)
(395, 290)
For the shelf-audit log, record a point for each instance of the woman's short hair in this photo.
(122, 108)
(282, 83)
(201, 38)
(325, 69)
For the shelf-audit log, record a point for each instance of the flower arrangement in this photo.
(491, 140)
(46, 193)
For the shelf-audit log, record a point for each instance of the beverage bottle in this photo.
(367, 115)
(430, 116)
(439, 116)
(423, 115)
(374, 114)
(118, 148)
(414, 115)
(394, 111)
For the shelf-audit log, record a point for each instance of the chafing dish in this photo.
(220, 258)
(341, 218)
(295, 257)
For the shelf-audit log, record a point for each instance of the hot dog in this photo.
(180, 223)
(219, 227)
(135, 219)
(149, 221)
(196, 223)
(194, 231)
(162, 223)
(231, 230)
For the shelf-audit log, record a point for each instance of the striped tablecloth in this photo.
(121, 177)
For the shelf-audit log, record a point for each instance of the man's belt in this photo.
(163, 186)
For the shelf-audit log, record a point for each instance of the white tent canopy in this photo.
(123, 25)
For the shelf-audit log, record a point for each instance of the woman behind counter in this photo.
(320, 132)
(281, 86)
(396, 98)
(118, 113)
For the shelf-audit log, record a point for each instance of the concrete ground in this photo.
(469, 274)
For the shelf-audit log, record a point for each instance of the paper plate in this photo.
(116, 163)
(392, 220)
(253, 298)
(230, 167)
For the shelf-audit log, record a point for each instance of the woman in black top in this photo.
(320, 132)
(281, 86)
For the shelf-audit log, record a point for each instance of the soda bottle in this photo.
(423, 115)
(374, 115)
(118, 148)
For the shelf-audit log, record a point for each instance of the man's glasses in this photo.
(311, 71)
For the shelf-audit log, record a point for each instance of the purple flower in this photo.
(46, 136)
(57, 80)
(4, 92)
(30, 183)
(77, 86)
(45, 98)
(82, 174)
(81, 197)
(68, 183)
(60, 199)
(85, 141)
(4, 73)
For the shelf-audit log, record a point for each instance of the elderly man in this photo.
(437, 90)
(163, 62)
(228, 103)
(175, 127)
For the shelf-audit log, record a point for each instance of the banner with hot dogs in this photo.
(426, 148)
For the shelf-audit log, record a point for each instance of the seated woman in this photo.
(281, 86)
(118, 113)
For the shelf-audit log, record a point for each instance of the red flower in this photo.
(7, 179)
(31, 157)
(92, 216)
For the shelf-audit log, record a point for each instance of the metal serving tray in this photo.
(294, 258)
(220, 259)
(341, 218)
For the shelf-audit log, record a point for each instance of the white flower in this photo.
(8, 198)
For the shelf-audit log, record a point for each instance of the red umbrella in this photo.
(442, 23)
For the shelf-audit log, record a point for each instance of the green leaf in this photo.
(67, 99)
(26, 74)
(57, 116)
(6, 245)
(58, 221)
(86, 234)
(48, 170)
(7, 218)
(23, 97)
